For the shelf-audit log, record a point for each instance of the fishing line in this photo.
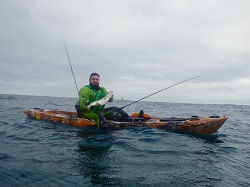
(160, 91)
(71, 66)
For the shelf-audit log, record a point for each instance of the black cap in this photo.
(94, 74)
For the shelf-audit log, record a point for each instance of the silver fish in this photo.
(101, 101)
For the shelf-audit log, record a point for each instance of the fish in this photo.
(101, 101)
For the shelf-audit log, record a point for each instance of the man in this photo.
(89, 94)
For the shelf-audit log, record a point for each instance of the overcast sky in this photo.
(137, 46)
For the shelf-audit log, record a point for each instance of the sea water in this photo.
(41, 153)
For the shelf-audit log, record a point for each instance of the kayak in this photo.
(195, 125)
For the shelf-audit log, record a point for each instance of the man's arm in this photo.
(84, 95)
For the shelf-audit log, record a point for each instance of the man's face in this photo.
(94, 80)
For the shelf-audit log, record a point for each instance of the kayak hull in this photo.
(202, 126)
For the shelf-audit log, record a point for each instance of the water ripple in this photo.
(39, 153)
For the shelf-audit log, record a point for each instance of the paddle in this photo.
(159, 91)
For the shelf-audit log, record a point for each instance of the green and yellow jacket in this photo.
(88, 94)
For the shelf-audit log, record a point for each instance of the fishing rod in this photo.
(71, 66)
(160, 91)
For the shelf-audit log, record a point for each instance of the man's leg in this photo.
(113, 112)
(98, 117)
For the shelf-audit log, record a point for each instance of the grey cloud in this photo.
(140, 45)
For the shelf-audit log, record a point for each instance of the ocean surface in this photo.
(39, 153)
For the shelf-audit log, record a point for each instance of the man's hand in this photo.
(111, 98)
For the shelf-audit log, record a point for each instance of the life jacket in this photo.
(99, 94)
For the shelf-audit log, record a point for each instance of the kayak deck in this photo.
(196, 125)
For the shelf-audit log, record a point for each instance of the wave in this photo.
(8, 97)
